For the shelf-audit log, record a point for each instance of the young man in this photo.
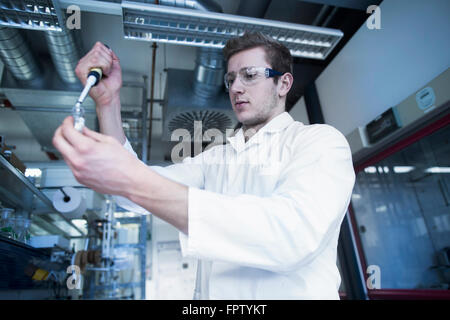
(262, 212)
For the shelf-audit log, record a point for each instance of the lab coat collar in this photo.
(277, 124)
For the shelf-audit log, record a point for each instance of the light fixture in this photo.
(403, 169)
(149, 22)
(370, 170)
(33, 172)
(438, 170)
(31, 14)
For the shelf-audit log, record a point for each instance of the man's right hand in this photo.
(107, 90)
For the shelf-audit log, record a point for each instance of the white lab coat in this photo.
(264, 216)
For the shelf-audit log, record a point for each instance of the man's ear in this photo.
(285, 84)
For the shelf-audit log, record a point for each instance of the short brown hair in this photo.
(277, 55)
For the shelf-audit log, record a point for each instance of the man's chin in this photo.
(250, 122)
(245, 118)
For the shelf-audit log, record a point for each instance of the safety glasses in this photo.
(249, 75)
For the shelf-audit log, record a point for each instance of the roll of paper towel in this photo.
(73, 206)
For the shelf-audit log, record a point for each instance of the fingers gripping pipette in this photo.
(94, 76)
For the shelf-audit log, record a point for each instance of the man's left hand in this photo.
(97, 161)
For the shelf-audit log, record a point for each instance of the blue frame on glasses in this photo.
(268, 73)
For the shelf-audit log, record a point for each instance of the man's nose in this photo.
(237, 86)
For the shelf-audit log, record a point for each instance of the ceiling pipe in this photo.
(321, 14)
(65, 53)
(17, 55)
(330, 16)
(18, 58)
(208, 73)
(323, 10)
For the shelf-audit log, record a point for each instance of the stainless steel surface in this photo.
(13, 182)
(17, 55)
(149, 22)
(44, 110)
(44, 98)
(44, 124)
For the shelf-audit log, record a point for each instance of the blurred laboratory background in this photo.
(378, 71)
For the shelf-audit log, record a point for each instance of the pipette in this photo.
(94, 76)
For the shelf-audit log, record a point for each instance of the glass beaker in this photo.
(21, 227)
(7, 223)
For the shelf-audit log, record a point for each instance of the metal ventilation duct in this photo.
(65, 54)
(37, 15)
(17, 56)
(31, 14)
(182, 106)
(209, 72)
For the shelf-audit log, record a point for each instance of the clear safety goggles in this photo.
(249, 75)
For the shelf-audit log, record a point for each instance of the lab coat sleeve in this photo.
(189, 173)
(287, 229)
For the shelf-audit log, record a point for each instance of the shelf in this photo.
(118, 286)
(15, 256)
(16, 191)
(129, 246)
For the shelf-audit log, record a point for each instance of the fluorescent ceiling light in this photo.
(403, 169)
(438, 170)
(370, 170)
(31, 14)
(168, 24)
(33, 172)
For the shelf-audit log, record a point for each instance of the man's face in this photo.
(258, 103)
